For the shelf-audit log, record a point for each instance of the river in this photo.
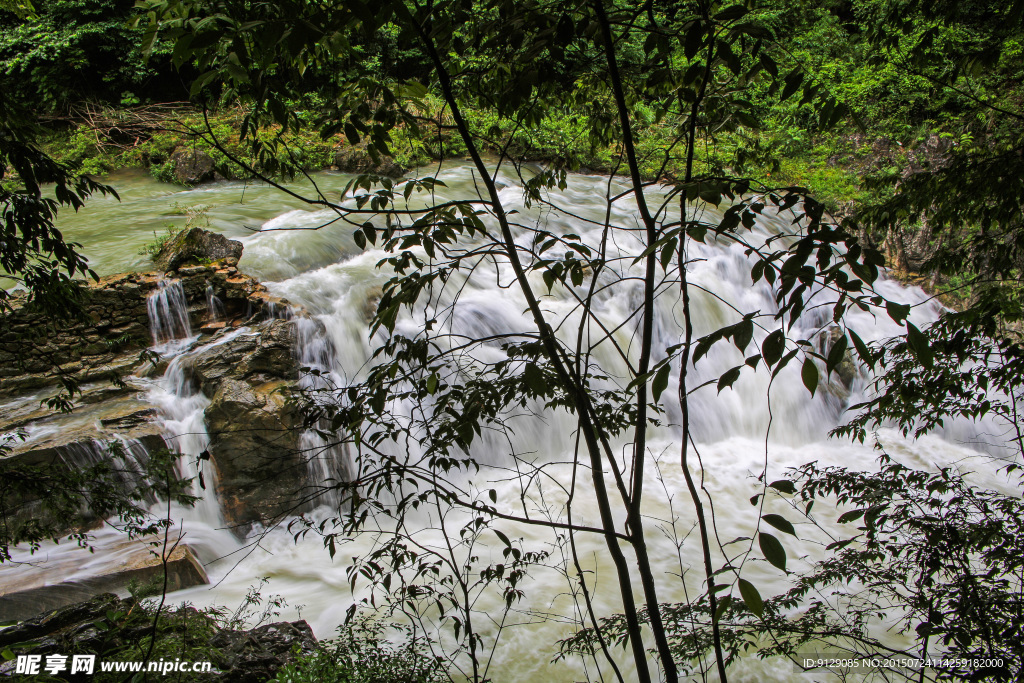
(325, 272)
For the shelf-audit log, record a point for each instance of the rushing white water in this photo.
(215, 307)
(128, 467)
(730, 428)
(168, 313)
(758, 426)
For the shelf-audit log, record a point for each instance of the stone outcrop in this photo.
(106, 342)
(26, 594)
(254, 429)
(110, 627)
(192, 167)
(196, 246)
(62, 442)
(255, 656)
(244, 362)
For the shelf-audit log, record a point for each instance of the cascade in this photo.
(327, 462)
(214, 305)
(129, 468)
(168, 312)
(737, 432)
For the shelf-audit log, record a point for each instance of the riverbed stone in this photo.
(238, 656)
(254, 427)
(255, 656)
(35, 592)
(195, 247)
(192, 167)
(357, 159)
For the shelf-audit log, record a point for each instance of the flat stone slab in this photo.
(30, 589)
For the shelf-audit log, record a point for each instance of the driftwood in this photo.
(124, 128)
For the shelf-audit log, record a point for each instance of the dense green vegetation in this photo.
(888, 125)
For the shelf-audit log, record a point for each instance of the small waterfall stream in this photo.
(168, 313)
(214, 305)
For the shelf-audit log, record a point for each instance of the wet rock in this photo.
(254, 428)
(192, 167)
(251, 656)
(257, 655)
(195, 246)
(30, 593)
(847, 369)
(101, 416)
(46, 626)
(254, 443)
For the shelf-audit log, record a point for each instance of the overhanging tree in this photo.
(415, 419)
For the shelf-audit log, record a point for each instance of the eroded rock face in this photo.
(196, 246)
(256, 656)
(106, 342)
(254, 429)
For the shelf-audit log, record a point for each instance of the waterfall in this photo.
(758, 424)
(181, 405)
(214, 306)
(181, 408)
(327, 462)
(128, 469)
(168, 312)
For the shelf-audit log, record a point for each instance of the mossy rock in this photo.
(194, 246)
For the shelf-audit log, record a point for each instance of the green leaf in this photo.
(660, 381)
(918, 343)
(793, 81)
(535, 379)
(503, 537)
(772, 549)
(751, 597)
(783, 485)
(723, 604)
(837, 353)
(780, 523)
(729, 378)
(897, 312)
(862, 350)
(743, 333)
(432, 383)
(693, 41)
(851, 516)
(772, 348)
(809, 375)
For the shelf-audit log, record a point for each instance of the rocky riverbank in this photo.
(115, 629)
(200, 325)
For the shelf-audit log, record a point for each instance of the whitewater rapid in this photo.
(758, 426)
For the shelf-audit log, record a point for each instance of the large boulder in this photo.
(195, 246)
(256, 656)
(255, 430)
(192, 167)
(358, 160)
